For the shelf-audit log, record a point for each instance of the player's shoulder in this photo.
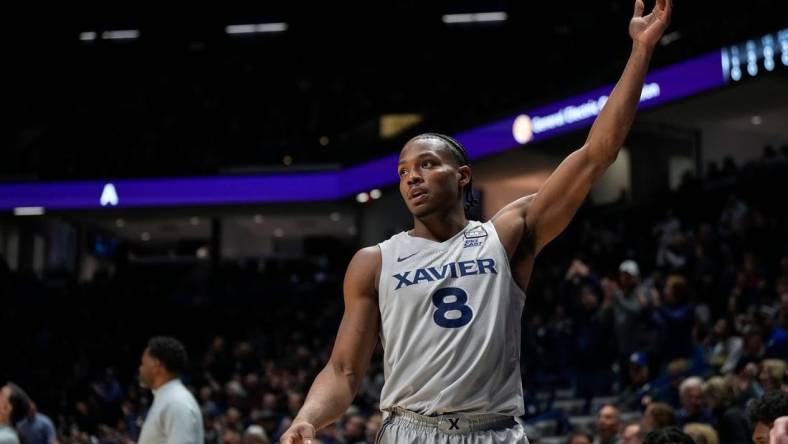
(370, 252)
(367, 259)
(364, 269)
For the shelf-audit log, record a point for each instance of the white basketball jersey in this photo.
(450, 328)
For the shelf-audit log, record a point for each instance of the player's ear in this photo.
(464, 174)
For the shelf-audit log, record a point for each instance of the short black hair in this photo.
(768, 407)
(461, 156)
(170, 352)
(668, 435)
(20, 403)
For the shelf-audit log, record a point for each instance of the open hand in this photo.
(648, 29)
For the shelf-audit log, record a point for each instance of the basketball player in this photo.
(447, 296)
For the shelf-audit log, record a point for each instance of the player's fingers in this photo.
(639, 6)
(665, 5)
(291, 438)
(668, 8)
(307, 434)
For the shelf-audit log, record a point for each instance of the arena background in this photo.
(208, 172)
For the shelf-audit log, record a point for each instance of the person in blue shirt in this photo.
(37, 428)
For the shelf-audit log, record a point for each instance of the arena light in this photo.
(375, 194)
(498, 16)
(750, 56)
(252, 28)
(362, 197)
(123, 34)
(87, 36)
(479, 17)
(28, 211)
(669, 38)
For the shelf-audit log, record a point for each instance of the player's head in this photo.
(435, 175)
(14, 404)
(163, 359)
(764, 411)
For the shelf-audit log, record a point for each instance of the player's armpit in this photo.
(510, 225)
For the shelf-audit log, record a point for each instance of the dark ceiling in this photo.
(187, 99)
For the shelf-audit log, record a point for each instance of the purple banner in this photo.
(663, 85)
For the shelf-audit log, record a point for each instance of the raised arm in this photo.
(543, 216)
(336, 385)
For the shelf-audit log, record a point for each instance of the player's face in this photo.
(429, 178)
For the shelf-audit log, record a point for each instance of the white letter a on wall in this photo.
(109, 196)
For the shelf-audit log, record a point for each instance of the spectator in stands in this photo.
(745, 380)
(701, 433)
(772, 375)
(658, 415)
(692, 410)
(632, 434)
(669, 435)
(638, 391)
(754, 348)
(608, 425)
(666, 389)
(354, 429)
(729, 418)
(629, 304)
(764, 411)
(580, 438)
(110, 396)
(594, 343)
(255, 434)
(727, 347)
(373, 427)
(37, 428)
(674, 318)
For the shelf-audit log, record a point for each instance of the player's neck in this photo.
(439, 227)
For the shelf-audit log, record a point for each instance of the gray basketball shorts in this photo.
(405, 427)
